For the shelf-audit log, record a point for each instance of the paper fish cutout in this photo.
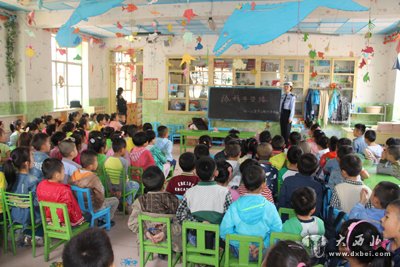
(62, 51)
(78, 57)
(198, 39)
(312, 54)
(86, 8)
(119, 35)
(239, 64)
(186, 58)
(30, 33)
(187, 37)
(368, 50)
(155, 12)
(31, 18)
(77, 30)
(305, 37)
(392, 37)
(129, 8)
(362, 63)
(198, 47)
(30, 52)
(189, 14)
(321, 55)
(366, 77)
(271, 21)
(253, 5)
(119, 25)
(169, 27)
(314, 74)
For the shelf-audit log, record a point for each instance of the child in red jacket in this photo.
(52, 189)
(140, 156)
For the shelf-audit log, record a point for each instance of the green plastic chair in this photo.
(146, 246)
(53, 229)
(199, 254)
(286, 211)
(244, 244)
(275, 236)
(3, 221)
(118, 177)
(136, 174)
(22, 201)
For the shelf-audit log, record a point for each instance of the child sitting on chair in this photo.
(179, 184)
(156, 203)
(251, 214)
(52, 189)
(87, 178)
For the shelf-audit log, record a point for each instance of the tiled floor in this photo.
(126, 251)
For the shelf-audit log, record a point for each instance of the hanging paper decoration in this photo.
(130, 52)
(333, 85)
(30, 53)
(314, 74)
(183, 23)
(189, 14)
(391, 38)
(154, 24)
(321, 55)
(169, 27)
(61, 81)
(77, 30)
(199, 46)
(78, 57)
(312, 54)
(129, 8)
(118, 47)
(367, 54)
(31, 18)
(271, 21)
(186, 58)
(305, 37)
(366, 77)
(310, 46)
(371, 26)
(119, 25)
(239, 64)
(187, 37)
(66, 36)
(327, 48)
(253, 5)
(239, 6)
(119, 35)
(362, 63)
(62, 51)
(155, 12)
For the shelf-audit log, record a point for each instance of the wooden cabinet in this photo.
(134, 113)
(187, 88)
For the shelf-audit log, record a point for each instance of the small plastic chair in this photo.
(3, 221)
(164, 248)
(199, 254)
(244, 244)
(21, 201)
(136, 173)
(85, 203)
(286, 213)
(53, 229)
(283, 236)
(118, 177)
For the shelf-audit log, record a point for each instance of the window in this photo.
(66, 74)
(128, 69)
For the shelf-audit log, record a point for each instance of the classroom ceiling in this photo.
(385, 14)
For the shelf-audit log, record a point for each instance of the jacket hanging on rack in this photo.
(323, 107)
(311, 104)
(333, 104)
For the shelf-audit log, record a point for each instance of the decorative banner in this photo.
(268, 22)
(66, 36)
(150, 88)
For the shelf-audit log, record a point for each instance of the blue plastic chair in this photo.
(155, 125)
(83, 194)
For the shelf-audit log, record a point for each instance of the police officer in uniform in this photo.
(288, 101)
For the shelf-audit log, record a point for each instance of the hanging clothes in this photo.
(323, 107)
(311, 104)
(333, 104)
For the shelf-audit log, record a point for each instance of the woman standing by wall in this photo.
(288, 101)
(121, 102)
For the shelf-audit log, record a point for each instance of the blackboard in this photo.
(243, 103)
